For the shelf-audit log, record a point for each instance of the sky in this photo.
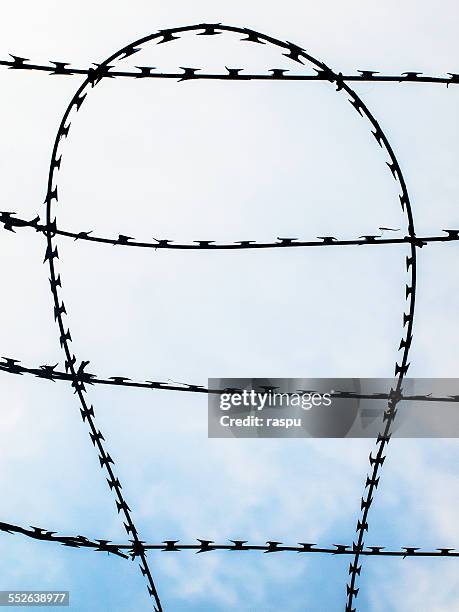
(226, 161)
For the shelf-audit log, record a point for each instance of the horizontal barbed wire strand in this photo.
(49, 372)
(203, 545)
(11, 223)
(232, 74)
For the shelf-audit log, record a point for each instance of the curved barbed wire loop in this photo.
(296, 54)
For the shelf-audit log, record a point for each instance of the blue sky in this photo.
(217, 161)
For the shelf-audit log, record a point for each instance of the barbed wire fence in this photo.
(79, 378)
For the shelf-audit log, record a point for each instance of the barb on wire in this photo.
(11, 222)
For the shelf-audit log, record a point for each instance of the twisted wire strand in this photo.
(202, 546)
(49, 372)
(401, 369)
(87, 411)
(37, 533)
(10, 222)
(232, 74)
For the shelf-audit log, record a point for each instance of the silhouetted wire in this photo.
(232, 74)
(76, 373)
(202, 546)
(401, 369)
(49, 372)
(10, 222)
(37, 533)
